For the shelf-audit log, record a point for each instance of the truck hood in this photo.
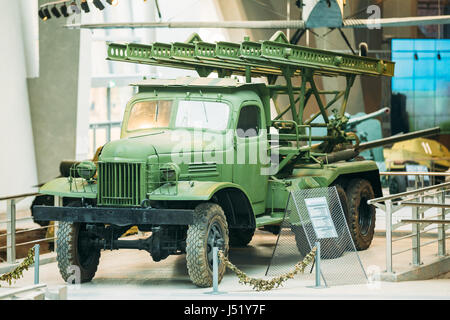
(140, 147)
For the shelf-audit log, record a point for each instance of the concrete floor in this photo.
(130, 274)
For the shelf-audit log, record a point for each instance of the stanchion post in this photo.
(441, 230)
(388, 210)
(36, 264)
(215, 272)
(318, 284)
(11, 231)
(318, 264)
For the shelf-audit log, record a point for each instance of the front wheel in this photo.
(208, 230)
(77, 258)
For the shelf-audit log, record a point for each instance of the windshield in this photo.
(210, 115)
(202, 114)
(150, 114)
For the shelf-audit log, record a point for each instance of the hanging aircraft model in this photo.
(315, 14)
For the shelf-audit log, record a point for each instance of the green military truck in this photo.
(203, 162)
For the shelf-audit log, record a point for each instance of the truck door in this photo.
(249, 137)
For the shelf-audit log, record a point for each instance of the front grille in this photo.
(120, 184)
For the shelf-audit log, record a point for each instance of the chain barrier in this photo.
(266, 285)
(18, 272)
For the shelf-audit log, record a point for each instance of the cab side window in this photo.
(249, 122)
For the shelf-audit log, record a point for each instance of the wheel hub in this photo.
(215, 239)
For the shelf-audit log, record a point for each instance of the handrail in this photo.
(21, 290)
(18, 196)
(407, 193)
(418, 220)
(11, 220)
(430, 221)
(425, 204)
(398, 173)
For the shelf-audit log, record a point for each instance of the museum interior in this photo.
(163, 149)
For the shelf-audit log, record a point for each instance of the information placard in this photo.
(320, 216)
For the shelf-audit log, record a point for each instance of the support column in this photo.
(54, 96)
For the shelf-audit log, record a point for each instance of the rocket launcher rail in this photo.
(264, 58)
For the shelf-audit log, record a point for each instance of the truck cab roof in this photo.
(196, 82)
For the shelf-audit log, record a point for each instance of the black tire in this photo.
(301, 240)
(439, 180)
(331, 248)
(275, 229)
(341, 229)
(361, 216)
(397, 184)
(210, 225)
(240, 238)
(73, 252)
(45, 200)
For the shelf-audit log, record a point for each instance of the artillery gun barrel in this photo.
(398, 138)
(358, 120)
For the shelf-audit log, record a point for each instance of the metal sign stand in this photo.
(215, 272)
(318, 285)
(36, 264)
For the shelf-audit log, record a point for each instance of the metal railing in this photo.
(108, 126)
(36, 289)
(416, 200)
(419, 177)
(11, 221)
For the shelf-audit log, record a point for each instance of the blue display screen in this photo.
(422, 73)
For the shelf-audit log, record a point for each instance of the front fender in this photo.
(192, 190)
(62, 187)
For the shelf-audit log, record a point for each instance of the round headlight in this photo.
(169, 172)
(86, 170)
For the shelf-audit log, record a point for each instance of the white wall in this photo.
(84, 87)
(30, 35)
(17, 157)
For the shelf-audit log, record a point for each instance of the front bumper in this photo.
(116, 216)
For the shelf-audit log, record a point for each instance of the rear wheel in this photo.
(207, 231)
(331, 248)
(76, 255)
(361, 216)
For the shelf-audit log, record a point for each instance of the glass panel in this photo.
(202, 114)
(98, 109)
(115, 133)
(119, 98)
(150, 114)
(249, 122)
(422, 74)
